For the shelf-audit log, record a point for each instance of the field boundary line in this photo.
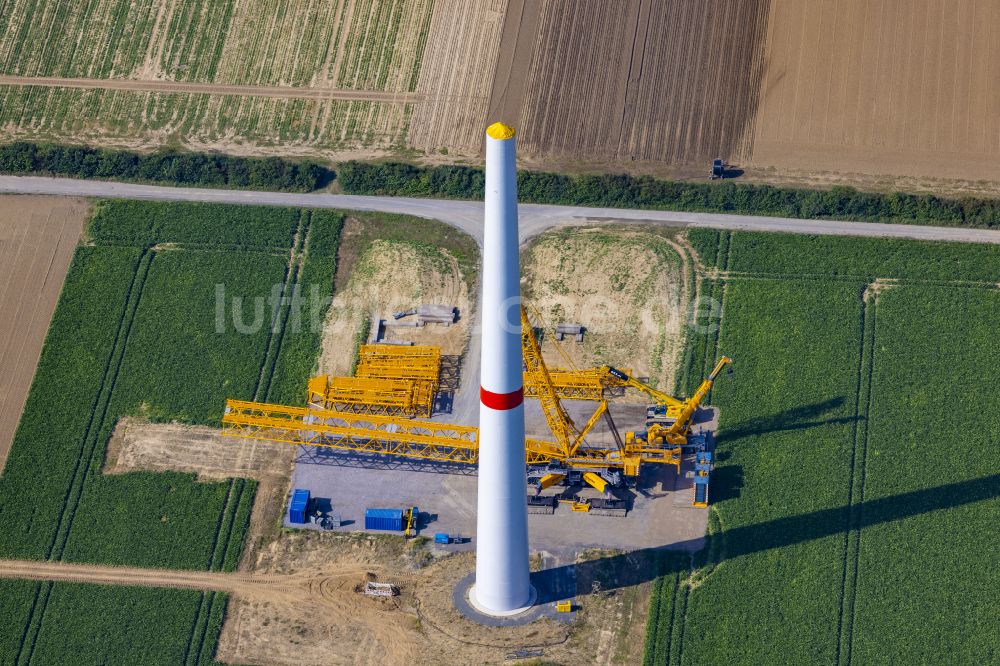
(31, 629)
(194, 628)
(281, 309)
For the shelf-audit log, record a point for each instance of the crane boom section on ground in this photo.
(385, 435)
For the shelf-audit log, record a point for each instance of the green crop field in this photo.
(139, 331)
(856, 495)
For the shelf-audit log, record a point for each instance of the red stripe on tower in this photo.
(501, 401)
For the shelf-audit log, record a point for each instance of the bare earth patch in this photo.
(625, 286)
(392, 277)
(893, 88)
(334, 624)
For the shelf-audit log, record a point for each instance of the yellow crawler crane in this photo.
(663, 443)
(366, 395)
(442, 442)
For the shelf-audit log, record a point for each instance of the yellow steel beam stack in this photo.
(417, 363)
(365, 395)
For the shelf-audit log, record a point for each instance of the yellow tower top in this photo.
(499, 131)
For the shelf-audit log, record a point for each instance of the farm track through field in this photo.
(227, 526)
(277, 92)
(856, 478)
(289, 588)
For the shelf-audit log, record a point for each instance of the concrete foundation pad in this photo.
(532, 597)
(462, 598)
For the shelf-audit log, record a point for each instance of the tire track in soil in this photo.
(237, 486)
(856, 480)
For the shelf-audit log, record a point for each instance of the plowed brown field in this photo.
(903, 87)
(37, 239)
(641, 80)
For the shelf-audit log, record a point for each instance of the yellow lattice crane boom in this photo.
(385, 435)
(537, 376)
(677, 432)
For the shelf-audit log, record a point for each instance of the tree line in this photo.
(183, 168)
(624, 191)
(462, 182)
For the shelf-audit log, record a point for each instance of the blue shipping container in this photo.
(384, 519)
(441, 537)
(298, 506)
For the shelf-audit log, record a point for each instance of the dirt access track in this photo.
(37, 238)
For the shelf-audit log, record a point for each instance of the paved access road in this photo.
(468, 215)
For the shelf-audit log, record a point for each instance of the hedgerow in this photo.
(182, 168)
(624, 191)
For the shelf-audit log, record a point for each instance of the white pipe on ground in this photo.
(502, 583)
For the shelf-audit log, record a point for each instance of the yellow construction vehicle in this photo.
(676, 433)
(345, 424)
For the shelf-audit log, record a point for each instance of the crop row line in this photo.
(238, 487)
(856, 481)
(276, 333)
(908, 281)
(98, 417)
(82, 465)
(195, 647)
(33, 626)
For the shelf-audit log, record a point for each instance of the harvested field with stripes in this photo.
(896, 94)
(315, 60)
